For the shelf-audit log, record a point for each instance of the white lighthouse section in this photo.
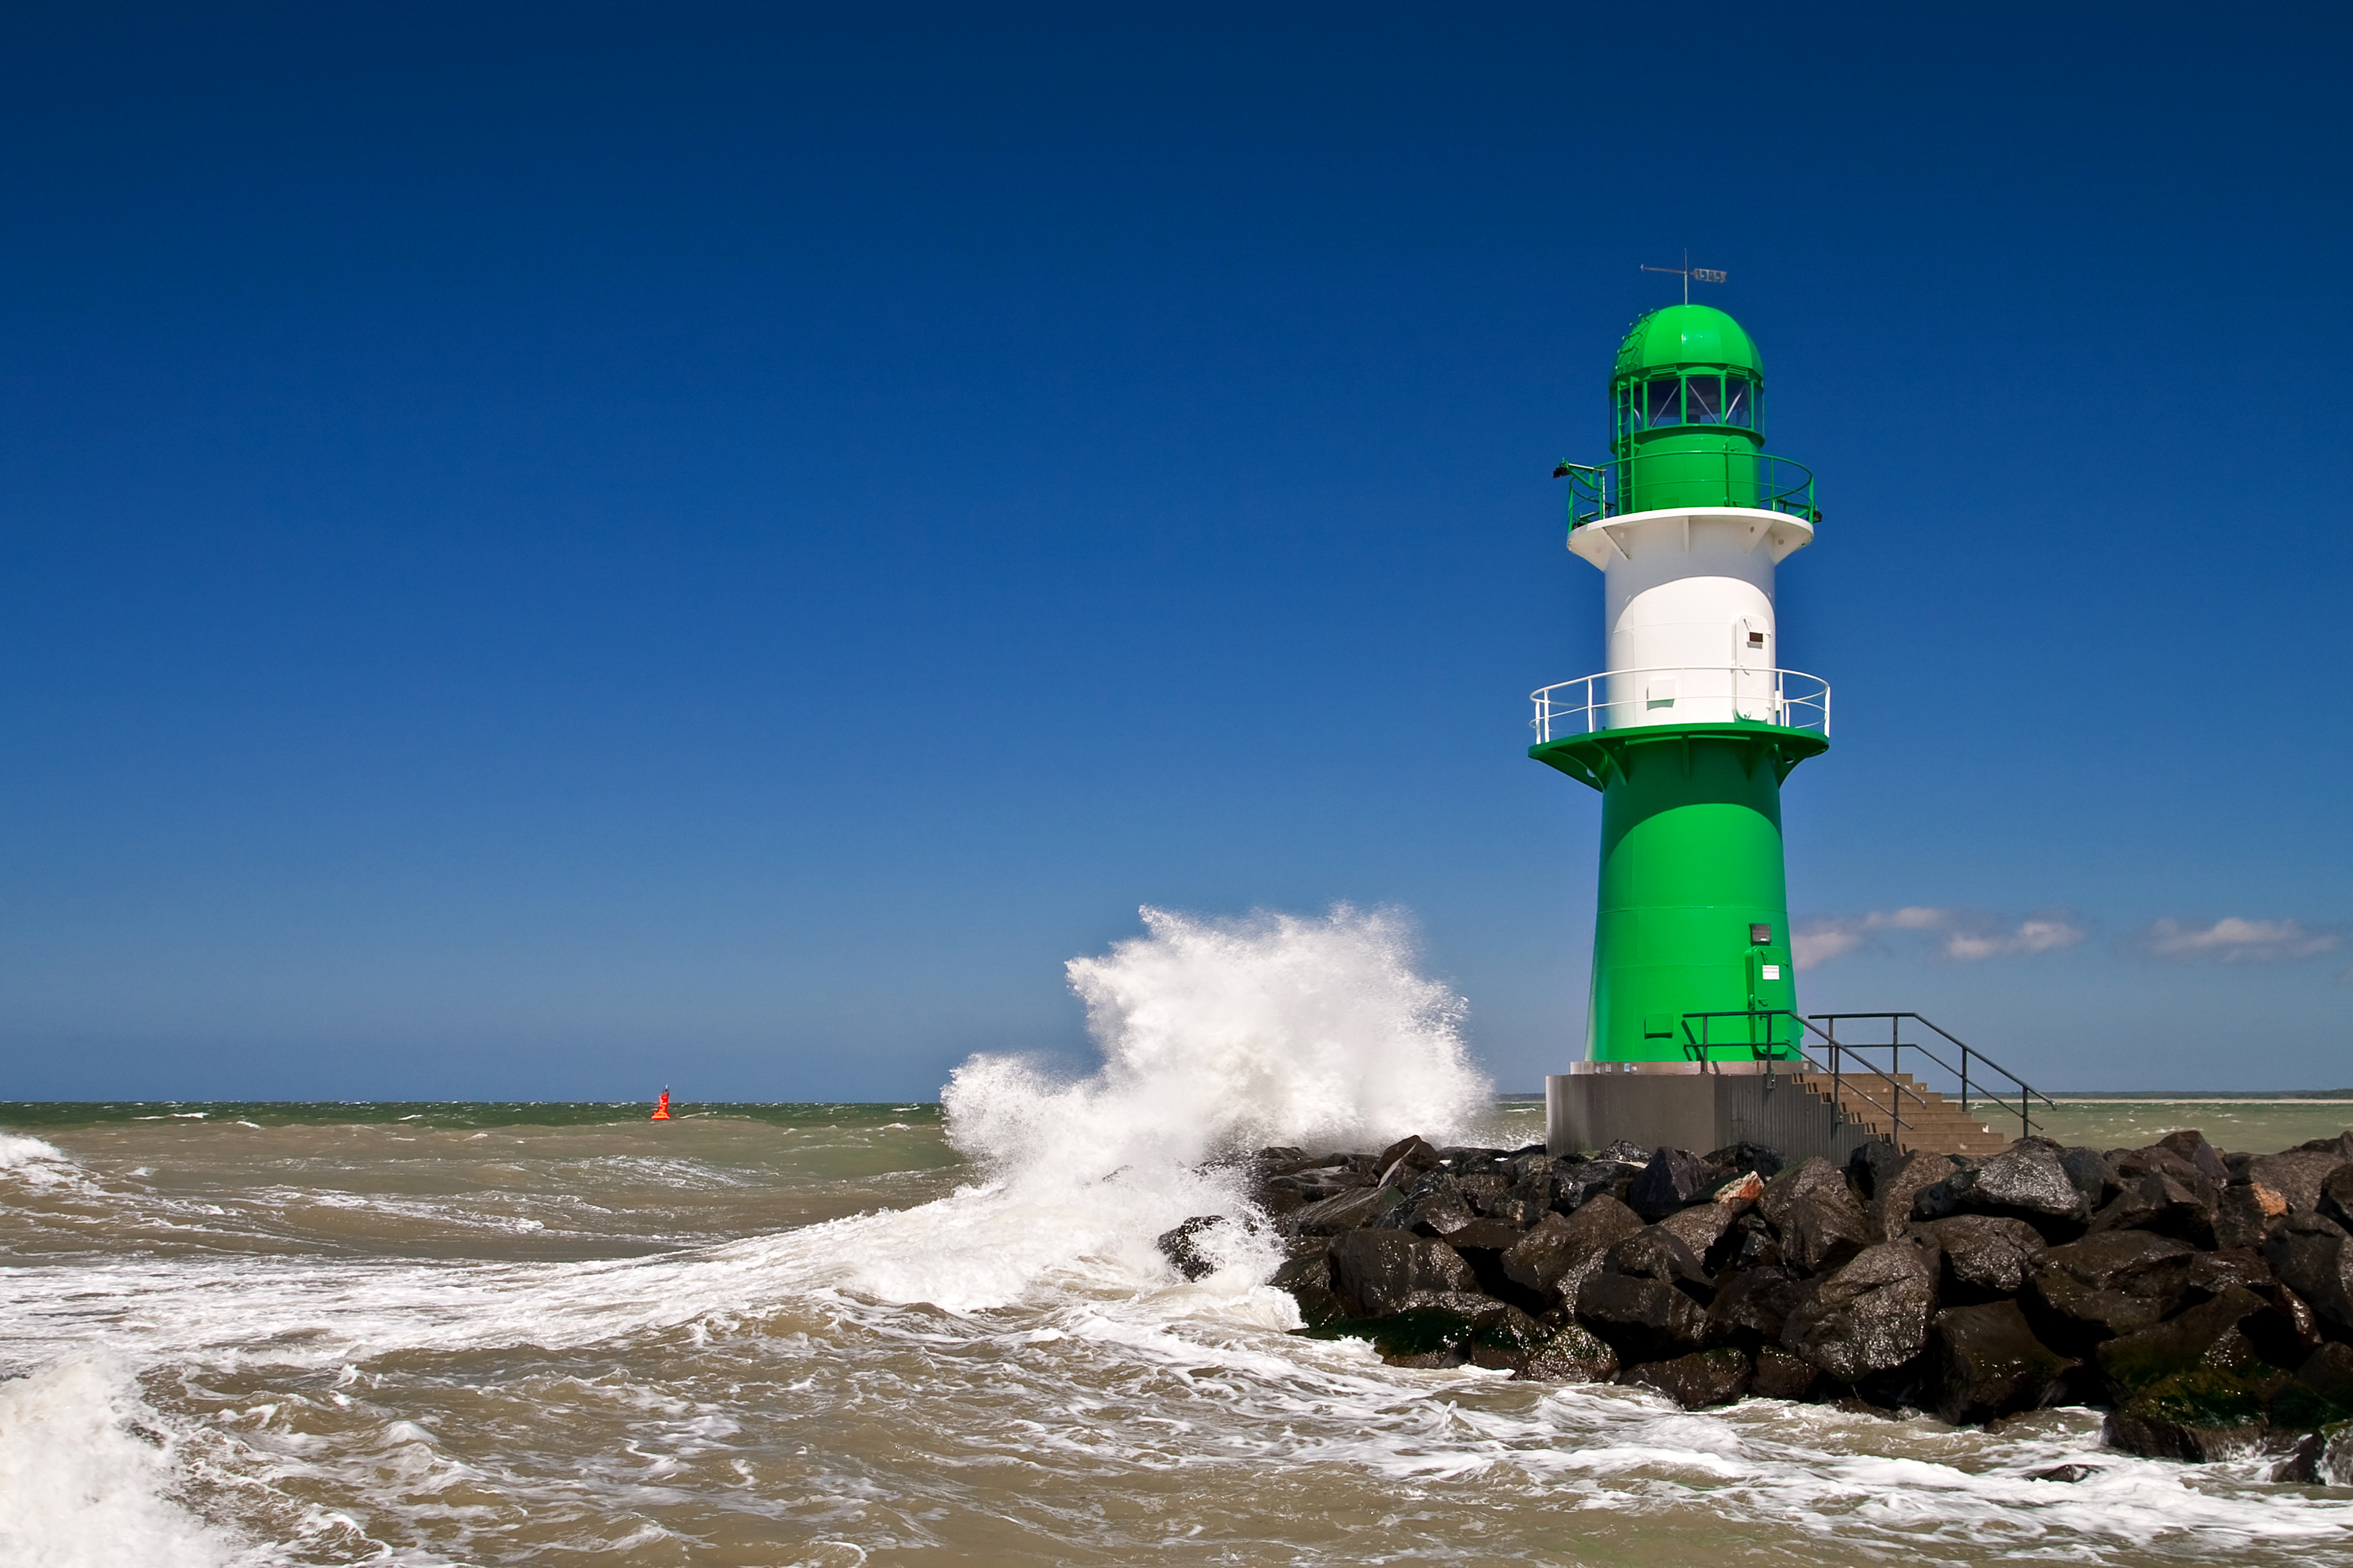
(1690, 612)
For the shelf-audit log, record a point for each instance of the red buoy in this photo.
(662, 1107)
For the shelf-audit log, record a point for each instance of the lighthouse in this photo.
(1695, 722)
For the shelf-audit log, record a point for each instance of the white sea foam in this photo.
(84, 1470)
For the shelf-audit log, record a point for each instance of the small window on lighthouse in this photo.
(1736, 400)
(1755, 639)
(1703, 399)
(1663, 401)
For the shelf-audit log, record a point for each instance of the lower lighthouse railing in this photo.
(1848, 1069)
(1677, 694)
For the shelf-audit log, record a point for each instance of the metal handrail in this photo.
(1802, 708)
(1839, 1091)
(1779, 484)
(1896, 1044)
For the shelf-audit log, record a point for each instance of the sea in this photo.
(936, 1331)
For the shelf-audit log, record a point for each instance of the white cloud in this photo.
(2232, 940)
(1963, 936)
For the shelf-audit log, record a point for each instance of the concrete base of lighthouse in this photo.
(1696, 1106)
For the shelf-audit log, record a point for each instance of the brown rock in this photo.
(1695, 1381)
(1781, 1375)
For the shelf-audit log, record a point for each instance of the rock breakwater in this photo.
(2204, 1298)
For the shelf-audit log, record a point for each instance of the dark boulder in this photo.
(1897, 1186)
(1555, 1258)
(1870, 1316)
(1308, 1278)
(1749, 1244)
(2065, 1475)
(2162, 1159)
(2025, 1181)
(1869, 1166)
(1402, 1161)
(2095, 1179)
(1435, 1331)
(1752, 1308)
(1989, 1364)
(1180, 1246)
(1816, 1177)
(1373, 1271)
(1480, 1189)
(1695, 1381)
(2202, 1155)
(1655, 1253)
(2141, 1360)
(1702, 1228)
(1345, 1212)
(2162, 1202)
(1644, 1319)
(1622, 1153)
(2312, 1257)
(2118, 1282)
(1504, 1340)
(2337, 1195)
(1986, 1256)
(1573, 1353)
(2247, 1214)
(2298, 1175)
(1516, 1210)
(2320, 1393)
(1781, 1375)
(2202, 1415)
(1482, 1244)
(1822, 1230)
(1280, 1191)
(1434, 1205)
(1573, 1189)
(2212, 1273)
(1740, 1157)
(1669, 1182)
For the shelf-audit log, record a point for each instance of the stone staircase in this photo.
(1932, 1123)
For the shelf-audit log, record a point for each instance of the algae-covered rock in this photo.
(2201, 1415)
(1573, 1353)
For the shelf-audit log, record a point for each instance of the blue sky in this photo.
(544, 550)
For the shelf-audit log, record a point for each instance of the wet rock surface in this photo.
(2203, 1298)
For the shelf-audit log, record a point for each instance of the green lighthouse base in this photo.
(1693, 909)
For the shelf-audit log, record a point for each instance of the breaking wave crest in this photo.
(1221, 1036)
(1218, 1037)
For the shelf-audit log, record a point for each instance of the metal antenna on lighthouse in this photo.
(1687, 272)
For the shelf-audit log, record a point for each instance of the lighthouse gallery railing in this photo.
(1668, 478)
(1682, 694)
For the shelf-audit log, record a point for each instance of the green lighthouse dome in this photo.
(1677, 336)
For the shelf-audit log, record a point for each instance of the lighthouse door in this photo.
(1752, 670)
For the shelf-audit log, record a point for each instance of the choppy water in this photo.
(828, 1335)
